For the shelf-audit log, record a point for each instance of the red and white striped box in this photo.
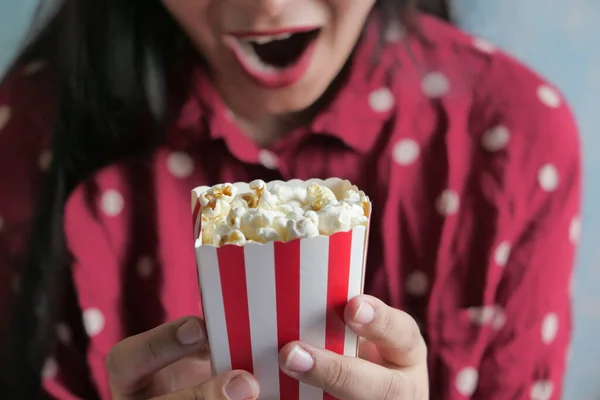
(258, 297)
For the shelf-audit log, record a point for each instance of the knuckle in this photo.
(384, 327)
(151, 348)
(397, 387)
(196, 394)
(412, 339)
(339, 374)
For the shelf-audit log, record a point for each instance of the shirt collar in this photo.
(356, 114)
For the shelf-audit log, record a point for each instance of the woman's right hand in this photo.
(171, 362)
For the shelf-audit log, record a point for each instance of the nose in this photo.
(271, 8)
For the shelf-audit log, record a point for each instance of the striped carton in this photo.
(258, 297)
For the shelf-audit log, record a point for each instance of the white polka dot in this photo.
(488, 315)
(482, 315)
(5, 113)
(63, 333)
(145, 267)
(50, 369)
(395, 32)
(417, 283)
(448, 203)
(268, 159)
(549, 96)
(466, 381)
(484, 45)
(93, 321)
(381, 100)
(406, 152)
(180, 165)
(496, 138)
(112, 203)
(549, 328)
(542, 390)
(499, 319)
(575, 230)
(502, 254)
(34, 67)
(435, 84)
(548, 177)
(45, 160)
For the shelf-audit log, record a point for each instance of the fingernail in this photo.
(190, 333)
(241, 388)
(365, 314)
(299, 360)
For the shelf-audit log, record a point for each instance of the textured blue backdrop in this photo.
(561, 40)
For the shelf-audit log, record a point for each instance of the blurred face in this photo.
(271, 57)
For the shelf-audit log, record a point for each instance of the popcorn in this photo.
(280, 212)
(216, 201)
(319, 197)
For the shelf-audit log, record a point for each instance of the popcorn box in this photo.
(258, 297)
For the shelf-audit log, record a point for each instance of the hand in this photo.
(171, 362)
(393, 363)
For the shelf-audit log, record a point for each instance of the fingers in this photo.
(395, 333)
(132, 362)
(343, 377)
(235, 385)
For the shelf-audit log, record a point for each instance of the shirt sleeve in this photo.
(27, 116)
(527, 357)
(96, 217)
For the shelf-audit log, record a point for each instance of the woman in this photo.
(471, 160)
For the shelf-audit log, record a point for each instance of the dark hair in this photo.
(111, 59)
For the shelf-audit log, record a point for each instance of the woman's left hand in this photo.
(393, 363)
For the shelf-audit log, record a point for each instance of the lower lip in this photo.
(276, 79)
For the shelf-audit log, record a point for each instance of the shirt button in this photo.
(268, 159)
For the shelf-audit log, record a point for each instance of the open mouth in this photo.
(274, 54)
(278, 51)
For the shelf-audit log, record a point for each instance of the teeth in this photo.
(267, 39)
(252, 58)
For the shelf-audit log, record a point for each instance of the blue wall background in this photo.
(559, 38)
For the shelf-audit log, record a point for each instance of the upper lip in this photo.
(272, 32)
